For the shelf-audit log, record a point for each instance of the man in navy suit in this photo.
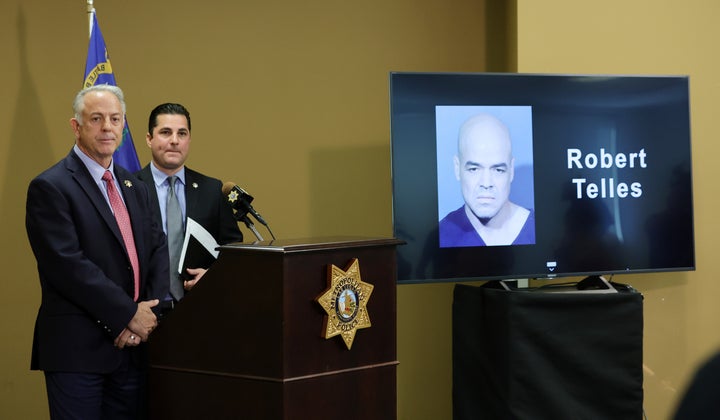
(200, 196)
(100, 276)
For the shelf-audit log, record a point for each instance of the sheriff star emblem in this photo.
(345, 302)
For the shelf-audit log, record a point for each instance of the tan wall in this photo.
(288, 99)
(660, 37)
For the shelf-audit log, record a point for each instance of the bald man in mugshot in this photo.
(484, 166)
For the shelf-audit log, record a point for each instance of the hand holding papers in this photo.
(199, 249)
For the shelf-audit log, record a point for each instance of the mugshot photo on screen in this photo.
(485, 176)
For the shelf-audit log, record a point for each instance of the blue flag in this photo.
(98, 70)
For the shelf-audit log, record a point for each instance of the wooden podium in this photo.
(247, 341)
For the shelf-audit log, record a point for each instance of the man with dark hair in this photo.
(193, 195)
(103, 266)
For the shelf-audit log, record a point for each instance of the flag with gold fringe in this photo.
(98, 70)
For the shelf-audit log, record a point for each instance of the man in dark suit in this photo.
(200, 197)
(103, 263)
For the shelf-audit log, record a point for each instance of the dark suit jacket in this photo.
(205, 203)
(701, 400)
(85, 273)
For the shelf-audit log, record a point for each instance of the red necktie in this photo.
(123, 220)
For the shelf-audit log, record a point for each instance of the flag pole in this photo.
(90, 11)
(99, 71)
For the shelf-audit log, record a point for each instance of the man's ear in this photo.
(456, 162)
(75, 124)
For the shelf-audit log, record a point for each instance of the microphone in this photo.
(240, 200)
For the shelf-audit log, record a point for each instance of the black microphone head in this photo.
(240, 200)
(236, 195)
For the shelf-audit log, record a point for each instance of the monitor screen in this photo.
(509, 176)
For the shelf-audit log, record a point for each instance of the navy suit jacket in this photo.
(85, 274)
(205, 203)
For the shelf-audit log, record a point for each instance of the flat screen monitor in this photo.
(512, 176)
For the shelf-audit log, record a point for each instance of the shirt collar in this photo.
(159, 176)
(96, 170)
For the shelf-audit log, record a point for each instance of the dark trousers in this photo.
(117, 395)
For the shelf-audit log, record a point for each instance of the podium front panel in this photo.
(253, 320)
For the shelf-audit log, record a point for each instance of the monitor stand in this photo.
(594, 283)
(590, 284)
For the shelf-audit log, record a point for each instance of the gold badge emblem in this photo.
(128, 183)
(233, 196)
(345, 302)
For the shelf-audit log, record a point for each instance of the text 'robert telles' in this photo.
(605, 187)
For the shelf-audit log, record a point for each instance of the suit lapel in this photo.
(191, 193)
(146, 176)
(87, 184)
